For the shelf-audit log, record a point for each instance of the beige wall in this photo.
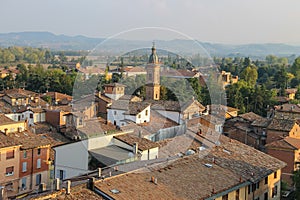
(13, 127)
(259, 192)
(4, 163)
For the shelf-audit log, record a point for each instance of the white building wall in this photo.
(172, 115)
(72, 158)
(115, 116)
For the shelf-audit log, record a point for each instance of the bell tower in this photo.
(153, 76)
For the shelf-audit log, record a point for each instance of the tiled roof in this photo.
(61, 108)
(5, 120)
(105, 98)
(19, 91)
(222, 107)
(96, 126)
(157, 122)
(78, 192)
(250, 116)
(291, 90)
(132, 108)
(6, 141)
(190, 102)
(169, 72)
(58, 96)
(130, 98)
(263, 122)
(281, 124)
(165, 105)
(198, 176)
(143, 143)
(29, 140)
(295, 142)
(288, 108)
(280, 144)
(282, 99)
(134, 69)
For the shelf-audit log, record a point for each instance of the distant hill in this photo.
(48, 40)
(63, 42)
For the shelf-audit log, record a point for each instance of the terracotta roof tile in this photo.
(143, 143)
(230, 164)
(250, 116)
(281, 124)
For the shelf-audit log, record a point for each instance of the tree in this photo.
(250, 75)
(295, 69)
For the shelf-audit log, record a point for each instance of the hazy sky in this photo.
(221, 21)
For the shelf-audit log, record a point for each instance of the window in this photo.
(139, 116)
(62, 174)
(249, 189)
(275, 174)
(9, 171)
(31, 116)
(225, 197)
(115, 112)
(266, 196)
(38, 179)
(257, 185)
(146, 112)
(38, 151)
(237, 194)
(80, 121)
(10, 154)
(24, 166)
(38, 163)
(266, 180)
(24, 154)
(274, 191)
(24, 181)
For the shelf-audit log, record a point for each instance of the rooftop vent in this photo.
(208, 165)
(115, 191)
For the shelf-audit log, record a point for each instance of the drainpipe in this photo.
(31, 181)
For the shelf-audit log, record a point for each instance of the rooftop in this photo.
(281, 124)
(110, 155)
(5, 120)
(29, 140)
(250, 116)
(143, 143)
(198, 176)
(288, 108)
(131, 108)
(285, 143)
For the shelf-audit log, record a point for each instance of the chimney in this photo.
(135, 148)
(99, 172)
(68, 187)
(153, 180)
(57, 184)
(6, 131)
(91, 183)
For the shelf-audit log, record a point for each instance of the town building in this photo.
(153, 76)
(287, 150)
(227, 171)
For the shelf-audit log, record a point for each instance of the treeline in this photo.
(38, 79)
(37, 55)
(260, 82)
